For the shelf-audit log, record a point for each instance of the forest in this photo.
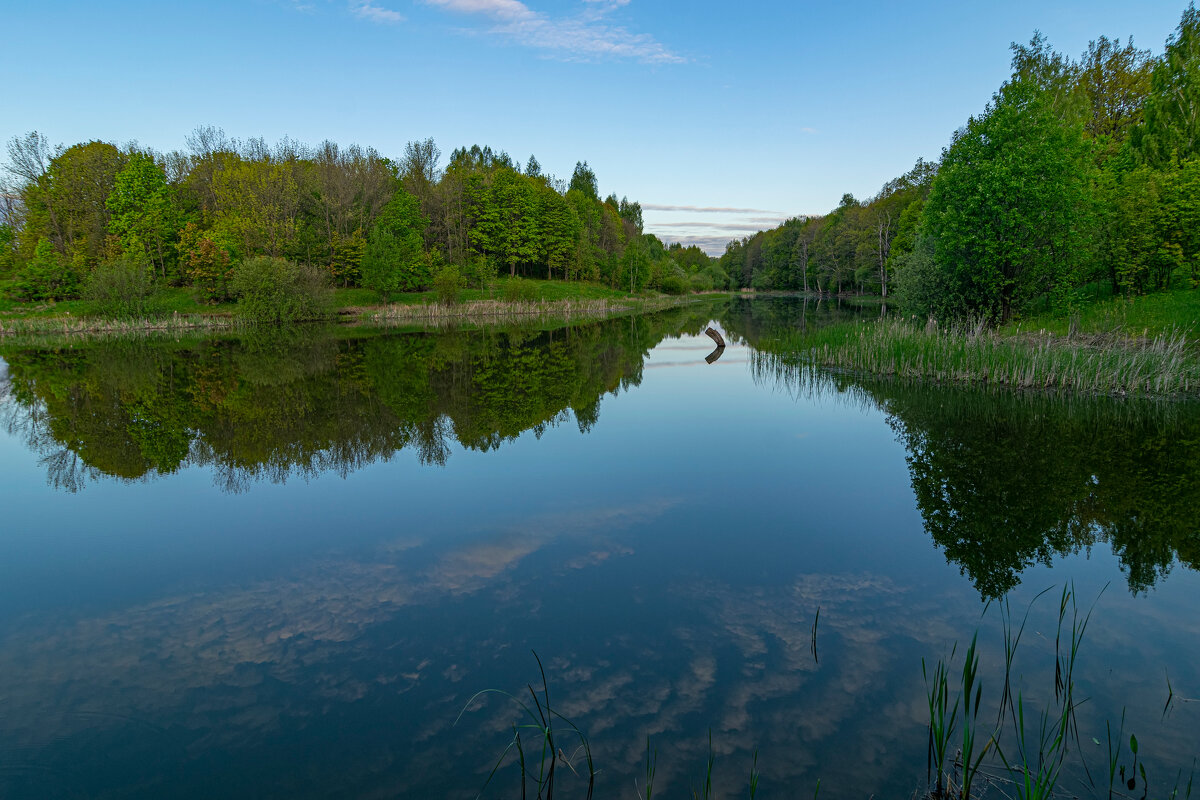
(1080, 178)
(97, 218)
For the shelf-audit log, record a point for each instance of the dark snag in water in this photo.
(715, 335)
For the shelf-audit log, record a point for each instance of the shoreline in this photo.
(478, 313)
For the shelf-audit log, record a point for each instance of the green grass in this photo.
(177, 303)
(1145, 316)
(1163, 366)
(177, 311)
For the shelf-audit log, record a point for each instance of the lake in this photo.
(283, 565)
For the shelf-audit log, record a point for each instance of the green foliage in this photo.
(272, 290)
(208, 263)
(144, 218)
(1008, 211)
(121, 288)
(8, 256)
(514, 289)
(448, 284)
(1139, 250)
(47, 276)
(675, 283)
(1171, 128)
(394, 259)
(66, 202)
(921, 287)
(346, 256)
(583, 180)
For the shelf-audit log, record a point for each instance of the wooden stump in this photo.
(715, 335)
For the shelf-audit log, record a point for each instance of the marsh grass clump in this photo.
(490, 312)
(538, 744)
(1110, 364)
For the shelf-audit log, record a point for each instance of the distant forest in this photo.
(1079, 176)
(365, 219)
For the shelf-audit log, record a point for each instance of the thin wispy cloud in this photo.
(748, 227)
(713, 245)
(586, 36)
(708, 209)
(753, 224)
(365, 9)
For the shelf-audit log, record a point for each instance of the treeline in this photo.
(1079, 175)
(354, 216)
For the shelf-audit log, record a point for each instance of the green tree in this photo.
(583, 179)
(394, 258)
(518, 230)
(559, 231)
(1115, 79)
(207, 259)
(47, 276)
(144, 218)
(1008, 211)
(66, 204)
(1171, 129)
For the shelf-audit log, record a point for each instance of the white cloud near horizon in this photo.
(365, 9)
(584, 36)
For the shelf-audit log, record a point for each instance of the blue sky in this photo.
(762, 110)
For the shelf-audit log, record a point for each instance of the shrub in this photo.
(514, 289)
(448, 283)
(121, 289)
(47, 276)
(277, 290)
(675, 284)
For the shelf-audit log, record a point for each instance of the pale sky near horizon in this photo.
(720, 119)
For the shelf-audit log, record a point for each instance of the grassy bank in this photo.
(1144, 316)
(1161, 365)
(177, 310)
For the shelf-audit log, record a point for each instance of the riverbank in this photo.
(177, 311)
(1119, 348)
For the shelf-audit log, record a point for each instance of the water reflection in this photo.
(1004, 481)
(328, 655)
(307, 402)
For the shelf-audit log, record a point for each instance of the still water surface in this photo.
(280, 566)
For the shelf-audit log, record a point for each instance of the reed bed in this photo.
(486, 312)
(1159, 366)
(82, 326)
